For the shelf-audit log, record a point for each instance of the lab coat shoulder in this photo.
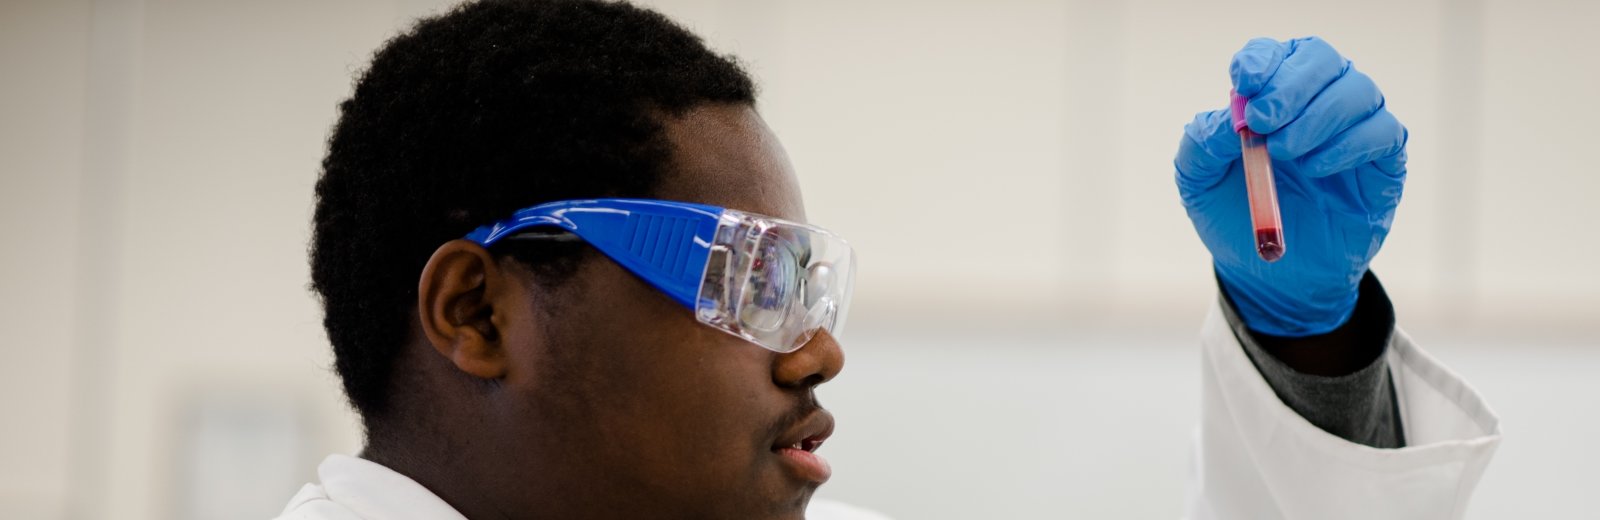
(312, 503)
(1256, 458)
(357, 489)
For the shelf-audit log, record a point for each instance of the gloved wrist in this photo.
(1300, 312)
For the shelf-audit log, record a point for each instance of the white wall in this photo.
(1003, 168)
(41, 136)
(1066, 115)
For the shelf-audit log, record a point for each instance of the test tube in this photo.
(1264, 216)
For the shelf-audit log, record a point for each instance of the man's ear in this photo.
(456, 306)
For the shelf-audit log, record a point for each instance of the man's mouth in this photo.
(797, 447)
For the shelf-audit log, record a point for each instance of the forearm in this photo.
(1338, 381)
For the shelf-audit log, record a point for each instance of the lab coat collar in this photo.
(376, 492)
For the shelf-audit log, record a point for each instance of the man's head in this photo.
(540, 375)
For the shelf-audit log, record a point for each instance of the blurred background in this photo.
(164, 358)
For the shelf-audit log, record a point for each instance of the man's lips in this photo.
(797, 447)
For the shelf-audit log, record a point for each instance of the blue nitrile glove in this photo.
(1339, 163)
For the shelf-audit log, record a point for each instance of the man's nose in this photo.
(816, 362)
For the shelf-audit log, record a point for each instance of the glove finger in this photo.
(1380, 191)
(1382, 180)
(1208, 148)
(1253, 65)
(1310, 66)
(1349, 100)
(1379, 139)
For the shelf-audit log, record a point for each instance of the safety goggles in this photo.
(767, 280)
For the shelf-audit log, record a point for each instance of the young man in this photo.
(576, 363)
(564, 277)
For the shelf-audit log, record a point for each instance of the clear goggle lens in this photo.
(774, 282)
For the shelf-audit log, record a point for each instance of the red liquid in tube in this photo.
(1264, 214)
(1269, 244)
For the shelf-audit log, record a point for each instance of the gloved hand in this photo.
(1338, 157)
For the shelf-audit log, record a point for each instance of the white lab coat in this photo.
(1255, 458)
(359, 489)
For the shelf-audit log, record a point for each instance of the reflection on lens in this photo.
(819, 283)
(770, 286)
(821, 316)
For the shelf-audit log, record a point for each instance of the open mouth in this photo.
(810, 444)
(797, 448)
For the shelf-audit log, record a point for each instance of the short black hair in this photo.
(493, 106)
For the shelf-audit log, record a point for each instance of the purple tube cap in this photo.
(1236, 104)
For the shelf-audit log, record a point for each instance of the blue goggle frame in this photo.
(767, 280)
